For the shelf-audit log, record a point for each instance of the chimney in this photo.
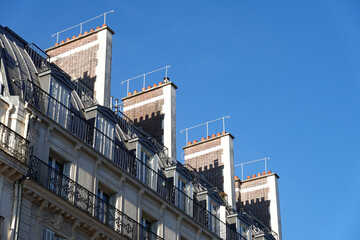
(87, 57)
(261, 192)
(214, 157)
(154, 109)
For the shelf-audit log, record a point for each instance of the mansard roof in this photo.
(16, 64)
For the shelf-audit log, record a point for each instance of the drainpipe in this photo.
(18, 211)
(7, 114)
(14, 230)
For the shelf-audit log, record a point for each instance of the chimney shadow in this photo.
(259, 207)
(87, 80)
(152, 124)
(213, 173)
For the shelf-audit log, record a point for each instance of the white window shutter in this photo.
(48, 234)
(67, 169)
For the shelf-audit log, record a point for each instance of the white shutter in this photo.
(48, 234)
(67, 169)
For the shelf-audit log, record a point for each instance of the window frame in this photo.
(182, 201)
(61, 93)
(245, 233)
(154, 225)
(53, 234)
(213, 222)
(145, 168)
(105, 210)
(106, 135)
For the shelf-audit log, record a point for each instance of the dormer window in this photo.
(144, 169)
(104, 136)
(60, 103)
(59, 92)
(182, 199)
(244, 232)
(181, 178)
(213, 221)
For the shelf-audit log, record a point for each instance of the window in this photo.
(50, 235)
(55, 175)
(58, 175)
(213, 217)
(244, 232)
(58, 109)
(144, 168)
(182, 199)
(104, 212)
(149, 226)
(104, 137)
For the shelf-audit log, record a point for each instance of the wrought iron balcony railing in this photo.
(259, 228)
(233, 235)
(38, 56)
(13, 144)
(270, 233)
(115, 152)
(85, 93)
(126, 124)
(88, 202)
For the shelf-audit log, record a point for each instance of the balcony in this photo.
(120, 156)
(86, 201)
(13, 144)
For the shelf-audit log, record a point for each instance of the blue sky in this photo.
(285, 71)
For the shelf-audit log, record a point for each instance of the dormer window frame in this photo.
(60, 103)
(103, 124)
(212, 200)
(106, 135)
(61, 89)
(244, 231)
(213, 208)
(104, 130)
(146, 169)
(182, 196)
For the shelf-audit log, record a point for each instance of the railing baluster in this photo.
(14, 144)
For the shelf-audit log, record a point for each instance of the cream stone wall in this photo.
(170, 225)
(6, 200)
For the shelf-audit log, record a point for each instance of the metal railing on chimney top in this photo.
(80, 25)
(144, 77)
(253, 161)
(186, 130)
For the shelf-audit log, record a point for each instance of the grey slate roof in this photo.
(16, 62)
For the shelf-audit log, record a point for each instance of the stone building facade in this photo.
(72, 168)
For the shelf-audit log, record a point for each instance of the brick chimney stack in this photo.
(154, 109)
(87, 57)
(214, 157)
(259, 194)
